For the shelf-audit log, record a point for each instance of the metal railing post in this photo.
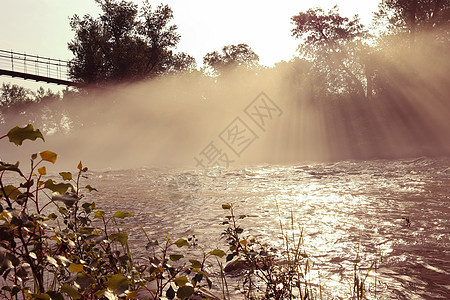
(12, 61)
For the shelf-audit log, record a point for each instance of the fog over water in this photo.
(170, 121)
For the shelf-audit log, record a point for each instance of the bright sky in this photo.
(41, 27)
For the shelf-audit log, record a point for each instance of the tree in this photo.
(232, 56)
(413, 16)
(333, 43)
(125, 43)
(14, 94)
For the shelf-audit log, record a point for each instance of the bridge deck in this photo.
(35, 67)
(38, 78)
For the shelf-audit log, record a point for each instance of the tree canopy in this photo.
(125, 43)
(230, 57)
(415, 16)
(332, 42)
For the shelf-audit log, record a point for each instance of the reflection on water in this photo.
(345, 209)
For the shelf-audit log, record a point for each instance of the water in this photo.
(344, 208)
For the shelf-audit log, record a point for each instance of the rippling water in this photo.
(344, 208)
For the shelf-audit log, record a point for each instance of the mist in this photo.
(169, 121)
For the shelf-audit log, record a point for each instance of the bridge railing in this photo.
(34, 64)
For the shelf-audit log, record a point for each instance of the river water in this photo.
(345, 209)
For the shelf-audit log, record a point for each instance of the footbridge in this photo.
(34, 67)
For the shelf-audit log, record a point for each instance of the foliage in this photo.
(276, 273)
(231, 57)
(125, 43)
(334, 44)
(13, 95)
(415, 16)
(55, 244)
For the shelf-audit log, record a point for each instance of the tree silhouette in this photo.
(231, 56)
(125, 43)
(333, 43)
(413, 16)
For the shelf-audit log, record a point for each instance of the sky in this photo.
(41, 27)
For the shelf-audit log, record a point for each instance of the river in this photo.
(393, 212)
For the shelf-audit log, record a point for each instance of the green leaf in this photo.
(117, 282)
(195, 263)
(217, 252)
(42, 296)
(59, 187)
(49, 156)
(55, 295)
(12, 192)
(17, 135)
(99, 214)
(52, 216)
(72, 292)
(226, 206)
(119, 237)
(181, 281)
(185, 292)
(90, 188)
(10, 167)
(175, 257)
(122, 215)
(66, 175)
(181, 242)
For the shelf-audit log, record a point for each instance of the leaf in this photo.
(42, 171)
(110, 295)
(52, 261)
(66, 175)
(117, 282)
(75, 268)
(226, 206)
(195, 264)
(72, 292)
(80, 166)
(12, 192)
(217, 252)
(170, 293)
(90, 188)
(119, 237)
(59, 187)
(17, 135)
(99, 214)
(41, 296)
(175, 257)
(181, 242)
(132, 295)
(10, 167)
(122, 215)
(52, 216)
(185, 292)
(48, 156)
(181, 281)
